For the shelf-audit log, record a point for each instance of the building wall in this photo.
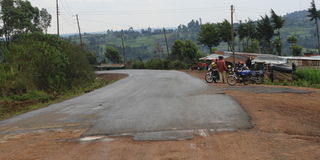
(305, 63)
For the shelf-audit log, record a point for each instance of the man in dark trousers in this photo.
(222, 68)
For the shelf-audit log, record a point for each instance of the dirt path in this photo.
(286, 126)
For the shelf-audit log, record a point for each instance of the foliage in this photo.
(296, 50)
(184, 51)
(314, 15)
(265, 32)
(225, 32)
(292, 39)
(253, 47)
(18, 16)
(113, 55)
(209, 35)
(45, 20)
(138, 65)
(43, 62)
(278, 23)
(246, 34)
(39, 96)
(311, 76)
(159, 64)
(277, 44)
(177, 50)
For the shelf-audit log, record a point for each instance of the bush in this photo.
(43, 62)
(159, 64)
(307, 77)
(138, 65)
(178, 65)
(33, 95)
(296, 50)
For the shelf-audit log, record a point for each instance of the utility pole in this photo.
(165, 37)
(57, 5)
(123, 48)
(232, 36)
(81, 44)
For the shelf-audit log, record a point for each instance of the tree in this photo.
(277, 44)
(295, 49)
(209, 35)
(190, 51)
(292, 40)
(265, 32)
(18, 17)
(45, 20)
(113, 55)
(177, 50)
(278, 23)
(314, 15)
(247, 32)
(225, 33)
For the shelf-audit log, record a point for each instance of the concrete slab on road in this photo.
(149, 105)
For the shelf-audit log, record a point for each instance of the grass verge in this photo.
(15, 105)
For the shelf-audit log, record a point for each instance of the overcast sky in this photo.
(100, 15)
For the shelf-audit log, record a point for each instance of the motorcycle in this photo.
(245, 77)
(212, 76)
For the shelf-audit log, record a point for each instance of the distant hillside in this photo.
(149, 43)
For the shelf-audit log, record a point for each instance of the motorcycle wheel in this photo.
(232, 80)
(209, 78)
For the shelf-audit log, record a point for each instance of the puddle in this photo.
(93, 138)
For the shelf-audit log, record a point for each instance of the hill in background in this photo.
(150, 43)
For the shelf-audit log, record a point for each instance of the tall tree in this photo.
(314, 16)
(247, 31)
(225, 32)
(45, 20)
(18, 16)
(265, 32)
(209, 35)
(278, 23)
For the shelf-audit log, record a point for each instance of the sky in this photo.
(101, 15)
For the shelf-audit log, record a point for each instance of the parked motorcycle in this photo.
(212, 76)
(245, 77)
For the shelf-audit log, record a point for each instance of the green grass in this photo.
(41, 99)
(303, 78)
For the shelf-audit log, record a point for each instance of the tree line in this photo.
(261, 36)
(32, 60)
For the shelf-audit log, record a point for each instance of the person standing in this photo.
(222, 68)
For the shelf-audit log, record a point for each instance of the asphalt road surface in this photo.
(148, 105)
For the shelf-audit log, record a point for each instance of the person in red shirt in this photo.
(198, 65)
(222, 68)
(204, 65)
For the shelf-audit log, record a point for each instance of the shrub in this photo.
(178, 65)
(33, 95)
(138, 65)
(296, 50)
(43, 62)
(307, 76)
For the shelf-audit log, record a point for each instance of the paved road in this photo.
(148, 105)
